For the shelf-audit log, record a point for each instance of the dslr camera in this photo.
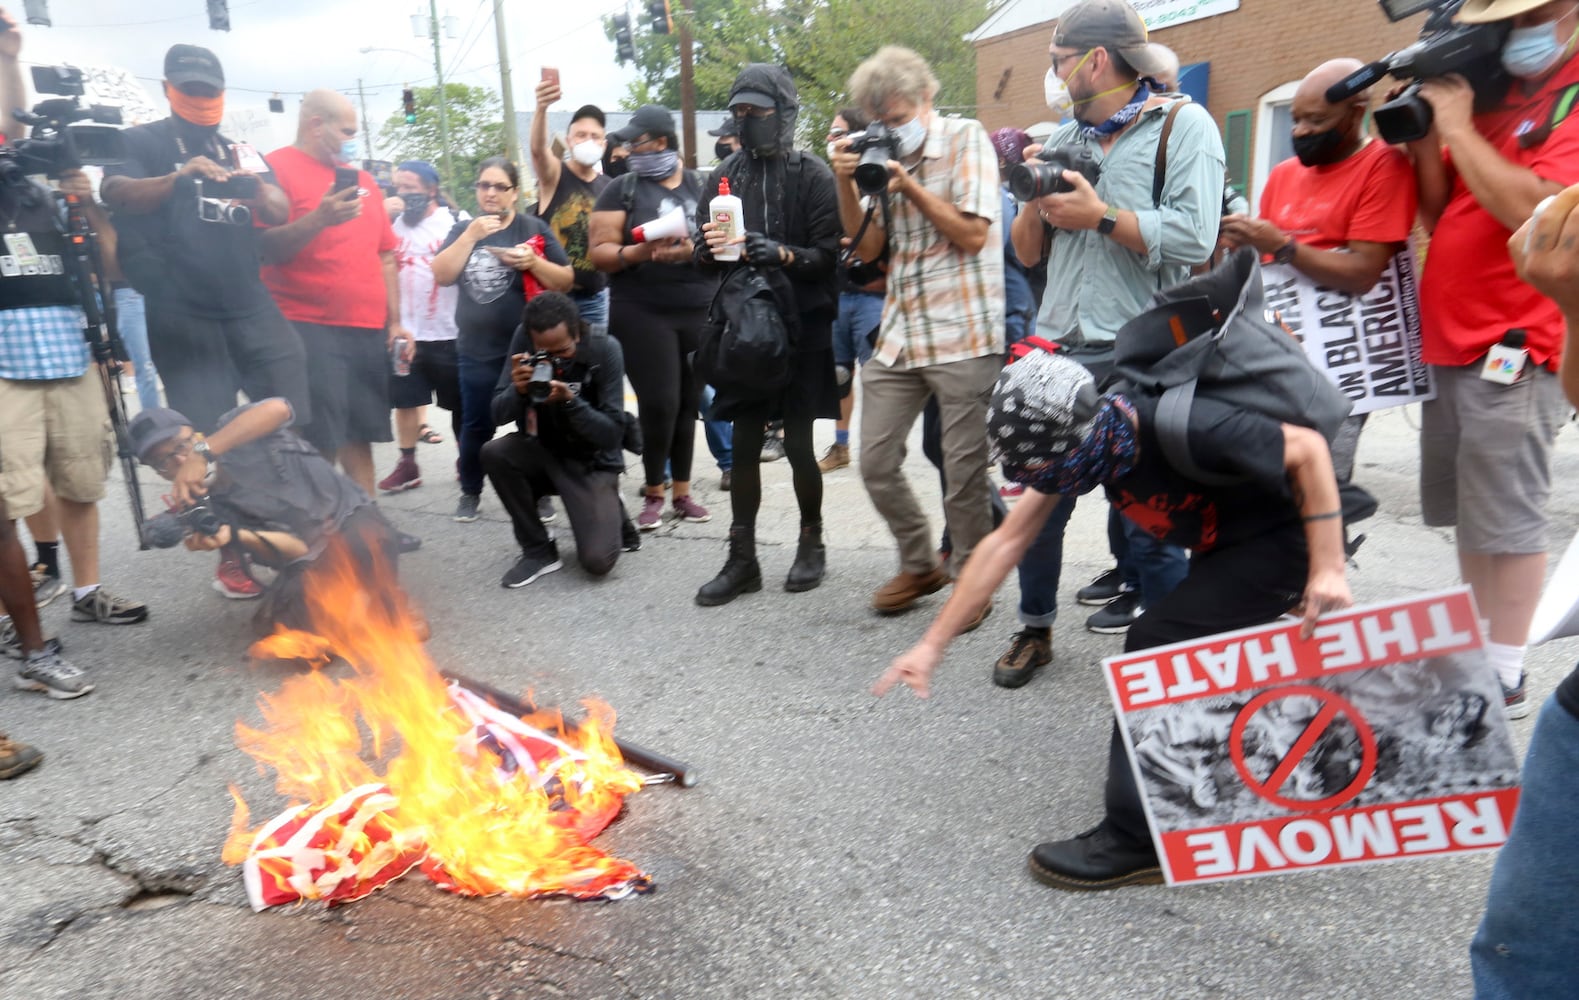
(213, 204)
(876, 147)
(66, 135)
(542, 365)
(167, 530)
(1032, 180)
(1472, 50)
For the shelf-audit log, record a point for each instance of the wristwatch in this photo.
(1285, 253)
(1108, 222)
(200, 447)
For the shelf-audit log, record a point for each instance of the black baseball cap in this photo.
(153, 427)
(193, 64)
(1108, 24)
(649, 119)
(755, 98)
(725, 130)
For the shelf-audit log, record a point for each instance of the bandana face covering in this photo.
(1106, 453)
(656, 165)
(206, 111)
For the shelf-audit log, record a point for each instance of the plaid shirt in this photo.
(945, 304)
(42, 342)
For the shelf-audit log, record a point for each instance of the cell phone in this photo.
(551, 75)
(346, 177)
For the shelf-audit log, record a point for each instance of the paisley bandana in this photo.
(1123, 116)
(1107, 453)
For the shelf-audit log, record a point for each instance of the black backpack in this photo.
(752, 327)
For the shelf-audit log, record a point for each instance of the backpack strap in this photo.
(1171, 424)
(1562, 105)
(628, 192)
(1159, 173)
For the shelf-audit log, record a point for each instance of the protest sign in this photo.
(1381, 737)
(1369, 345)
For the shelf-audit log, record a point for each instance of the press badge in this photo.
(1504, 364)
(247, 158)
(21, 247)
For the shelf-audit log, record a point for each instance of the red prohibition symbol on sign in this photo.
(1330, 707)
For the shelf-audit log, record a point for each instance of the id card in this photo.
(1504, 364)
(248, 158)
(21, 247)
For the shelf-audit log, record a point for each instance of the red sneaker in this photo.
(1009, 491)
(405, 476)
(232, 581)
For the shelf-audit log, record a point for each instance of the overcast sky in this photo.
(291, 46)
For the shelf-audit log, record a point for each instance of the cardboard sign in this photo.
(1381, 737)
(1369, 345)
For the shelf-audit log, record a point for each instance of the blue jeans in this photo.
(131, 320)
(859, 314)
(594, 308)
(1529, 936)
(1151, 567)
(477, 427)
(1041, 567)
(720, 434)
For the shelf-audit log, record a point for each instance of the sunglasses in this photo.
(491, 186)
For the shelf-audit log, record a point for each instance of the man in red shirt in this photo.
(332, 271)
(1485, 441)
(1337, 211)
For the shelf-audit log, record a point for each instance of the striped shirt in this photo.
(945, 304)
(42, 342)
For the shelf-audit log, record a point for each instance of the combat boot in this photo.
(810, 560)
(740, 575)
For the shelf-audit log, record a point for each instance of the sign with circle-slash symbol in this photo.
(1307, 737)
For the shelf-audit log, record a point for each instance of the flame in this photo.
(399, 767)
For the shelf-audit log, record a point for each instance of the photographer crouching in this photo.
(263, 494)
(564, 388)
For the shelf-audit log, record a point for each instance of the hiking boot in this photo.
(50, 673)
(906, 589)
(99, 605)
(529, 568)
(688, 509)
(1103, 590)
(1515, 701)
(545, 510)
(811, 561)
(726, 480)
(837, 457)
(46, 585)
(740, 575)
(651, 512)
(405, 477)
(17, 758)
(1115, 619)
(232, 581)
(11, 641)
(1097, 859)
(1029, 651)
(466, 509)
(772, 448)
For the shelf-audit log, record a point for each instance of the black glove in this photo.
(763, 252)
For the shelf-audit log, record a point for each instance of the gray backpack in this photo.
(1210, 336)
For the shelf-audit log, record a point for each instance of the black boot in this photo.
(740, 575)
(810, 560)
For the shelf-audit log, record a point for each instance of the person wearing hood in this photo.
(791, 217)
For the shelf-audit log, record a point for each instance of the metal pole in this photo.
(512, 142)
(438, 71)
(687, 86)
(367, 127)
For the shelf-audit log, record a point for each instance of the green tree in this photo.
(476, 133)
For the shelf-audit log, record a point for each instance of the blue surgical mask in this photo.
(348, 150)
(1530, 52)
(909, 136)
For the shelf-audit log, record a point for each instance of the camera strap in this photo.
(848, 253)
(1562, 105)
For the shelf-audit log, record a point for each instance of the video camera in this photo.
(167, 530)
(1471, 50)
(213, 204)
(66, 135)
(876, 146)
(1029, 181)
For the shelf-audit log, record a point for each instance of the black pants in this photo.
(658, 348)
(1251, 583)
(523, 471)
(202, 361)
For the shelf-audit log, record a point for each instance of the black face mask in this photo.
(617, 167)
(760, 135)
(722, 150)
(416, 204)
(1320, 149)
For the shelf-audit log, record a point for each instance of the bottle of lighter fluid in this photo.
(726, 216)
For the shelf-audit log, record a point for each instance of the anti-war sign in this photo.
(1369, 345)
(1381, 737)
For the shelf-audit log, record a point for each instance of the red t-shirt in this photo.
(1369, 197)
(1469, 294)
(338, 277)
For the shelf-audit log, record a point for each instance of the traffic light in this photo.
(409, 101)
(218, 15)
(658, 11)
(624, 45)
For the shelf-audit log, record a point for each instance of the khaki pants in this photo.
(891, 399)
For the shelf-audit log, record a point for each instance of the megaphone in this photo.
(1557, 615)
(670, 225)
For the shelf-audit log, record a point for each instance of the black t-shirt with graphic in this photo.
(492, 293)
(567, 215)
(658, 286)
(1224, 439)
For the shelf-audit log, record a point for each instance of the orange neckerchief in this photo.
(197, 110)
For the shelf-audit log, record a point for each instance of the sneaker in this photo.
(102, 606)
(1514, 699)
(726, 480)
(405, 477)
(772, 448)
(232, 581)
(1102, 590)
(17, 758)
(630, 538)
(48, 672)
(651, 512)
(405, 543)
(1011, 491)
(689, 510)
(545, 510)
(1115, 619)
(466, 510)
(529, 568)
(11, 642)
(1095, 860)
(46, 585)
(1028, 652)
(837, 457)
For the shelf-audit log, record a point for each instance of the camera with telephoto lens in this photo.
(66, 135)
(221, 210)
(1045, 175)
(167, 530)
(876, 147)
(1472, 50)
(542, 365)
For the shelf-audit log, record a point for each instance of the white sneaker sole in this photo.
(550, 568)
(392, 490)
(59, 694)
(231, 595)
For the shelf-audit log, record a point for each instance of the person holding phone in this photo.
(567, 189)
(501, 260)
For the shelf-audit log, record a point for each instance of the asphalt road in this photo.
(836, 846)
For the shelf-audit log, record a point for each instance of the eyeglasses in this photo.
(486, 186)
(1058, 59)
(173, 459)
(838, 133)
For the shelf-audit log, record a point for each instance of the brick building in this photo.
(1242, 59)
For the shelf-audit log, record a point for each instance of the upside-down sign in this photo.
(1380, 737)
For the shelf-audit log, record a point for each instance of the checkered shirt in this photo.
(42, 342)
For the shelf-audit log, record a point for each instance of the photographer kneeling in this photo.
(254, 487)
(565, 390)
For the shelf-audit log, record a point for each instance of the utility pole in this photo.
(438, 71)
(367, 128)
(512, 142)
(687, 85)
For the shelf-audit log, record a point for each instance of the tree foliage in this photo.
(476, 129)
